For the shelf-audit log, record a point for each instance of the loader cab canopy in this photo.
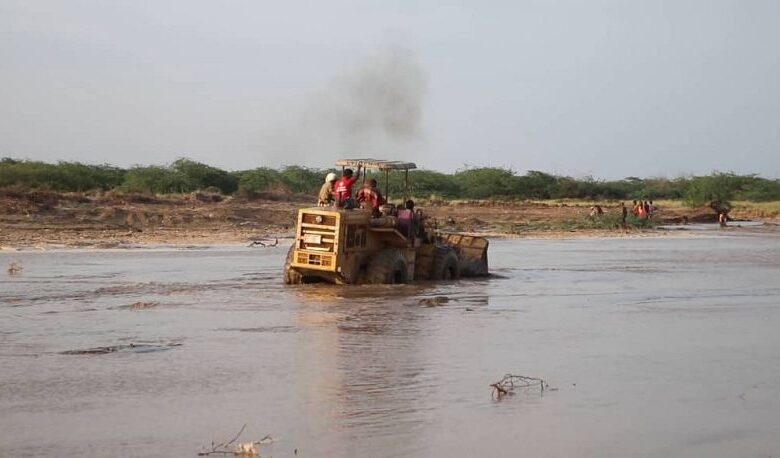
(377, 164)
(381, 165)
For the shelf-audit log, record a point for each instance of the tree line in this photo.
(185, 175)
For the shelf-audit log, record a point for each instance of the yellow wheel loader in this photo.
(398, 244)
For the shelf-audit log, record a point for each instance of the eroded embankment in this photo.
(105, 220)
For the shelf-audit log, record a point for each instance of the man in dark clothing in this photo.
(342, 189)
(624, 214)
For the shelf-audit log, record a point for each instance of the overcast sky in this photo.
(603, 88)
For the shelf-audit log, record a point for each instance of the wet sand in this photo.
(659, 346)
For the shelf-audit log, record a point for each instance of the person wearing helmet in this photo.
(326, 191)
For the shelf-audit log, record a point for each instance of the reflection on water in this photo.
(658, 346)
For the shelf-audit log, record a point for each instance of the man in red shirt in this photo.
(342, 189)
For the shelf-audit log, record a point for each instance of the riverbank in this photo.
(109, 220)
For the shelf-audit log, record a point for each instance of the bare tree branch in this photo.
(510, 382)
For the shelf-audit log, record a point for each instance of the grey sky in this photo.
(603, 88)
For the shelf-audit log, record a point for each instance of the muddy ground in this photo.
(48, 219)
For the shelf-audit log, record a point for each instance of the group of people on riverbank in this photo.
(640, 209)
(643, 209)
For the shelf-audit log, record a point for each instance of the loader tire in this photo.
(387, 267)
(445, 264)
(291, 276)
(473, 267)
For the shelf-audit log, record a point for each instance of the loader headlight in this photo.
(318, 219)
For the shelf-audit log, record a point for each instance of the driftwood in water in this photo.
(134, 347)
(509, 383)
(263, 243)
(14, 267)
(240, 449)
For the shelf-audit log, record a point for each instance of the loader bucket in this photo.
(472, 253)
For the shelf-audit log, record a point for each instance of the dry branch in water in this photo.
(141, 305)
(240, 449)
(14, 267)
(139, 347)
(509, 383)
(264, 243)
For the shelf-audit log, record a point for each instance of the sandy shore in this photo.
(49, 220)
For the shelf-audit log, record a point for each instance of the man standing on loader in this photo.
(342, 189)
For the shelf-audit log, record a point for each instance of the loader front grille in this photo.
(311, 259)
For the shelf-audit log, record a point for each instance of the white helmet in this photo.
(330, 177)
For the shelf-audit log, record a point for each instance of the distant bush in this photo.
(536, 185)
(716, 190)
(202, 176)
(185, 175)
(156, 179)
(302, 179)
(63, 176)
(662, 188)
(482, 183)
(258, 180)
(427, 183)
(759, 190)
(182, 176)
(422, 184)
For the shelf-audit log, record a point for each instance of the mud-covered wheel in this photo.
(473, 267)
(387, 267)
(445, 264)
(291, 276)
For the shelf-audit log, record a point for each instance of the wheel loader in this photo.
(363, 246)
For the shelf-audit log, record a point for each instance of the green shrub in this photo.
(486, 182)
(536, 185)
(159, 180)
(422, 184)
(302, 179)
(759, 190)
(185, 175)
(258, 180)
(716, 190)
(63, 176)
(202, 176)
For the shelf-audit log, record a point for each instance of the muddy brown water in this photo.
(655, 347)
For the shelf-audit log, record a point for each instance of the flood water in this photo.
(659, 346)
